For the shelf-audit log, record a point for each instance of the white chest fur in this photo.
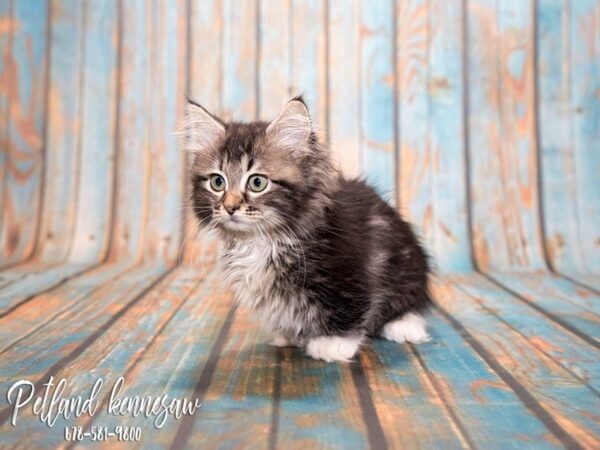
(248, 266)
(254, 269)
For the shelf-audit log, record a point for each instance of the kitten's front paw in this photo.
(409, 328)
(333, 348)
(280, 341)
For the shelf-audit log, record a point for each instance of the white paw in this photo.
(280, 341)
(409, 328)
(333, 348)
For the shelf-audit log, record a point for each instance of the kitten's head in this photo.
(257, 178)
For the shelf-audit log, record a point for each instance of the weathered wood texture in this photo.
(478, 119)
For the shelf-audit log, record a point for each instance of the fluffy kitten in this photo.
(322, 260)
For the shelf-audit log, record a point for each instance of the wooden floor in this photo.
(514, 363)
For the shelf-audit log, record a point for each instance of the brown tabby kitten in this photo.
(322, 260)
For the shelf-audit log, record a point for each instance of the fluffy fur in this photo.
(321, 260)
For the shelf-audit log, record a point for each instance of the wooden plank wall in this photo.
(479, 119)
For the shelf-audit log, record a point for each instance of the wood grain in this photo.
(377, 94)
(59, 202)
(479, 120)
(134, 131)
(450, 246)
(5, 37)
(240, 47)
(309, 63)
(344, 84)
(97, 141)
(568, 82)
(22, 114)
(565, 404)
(116, 348)
(205, 82)
(502, 150)
(274, 57)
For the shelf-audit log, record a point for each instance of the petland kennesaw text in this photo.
(51, 405)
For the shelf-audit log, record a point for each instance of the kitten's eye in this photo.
(257, 183)
(217, 182)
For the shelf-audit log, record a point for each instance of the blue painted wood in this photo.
(344, 84)
(166, 161)
(548, 336)
(80, 146)
(513, 359)
(237, 405)
(29, 316)
(274, 68)
(62, 159)
(539, 289)
(205, 79)
(308, 65)
(377, 94)
(402, 393)
(185, 351)
(556, 158)
(585, 106)
(20, 271)
(29, 285)
(415, 163)
(482, 404)
(206, 53)
(317, 404)
(5, 36)
(112, 354)
(502, 136)
(22, 138)
(240, 59)
(450, 245)
(134, 131)
(568, 110)
(31, 359)
(561, 395)
(98, 124)
(432, 178)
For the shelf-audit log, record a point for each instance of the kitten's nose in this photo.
(231, 202)
(231, 208)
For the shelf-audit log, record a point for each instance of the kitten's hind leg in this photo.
(410, 327)
(333, 348)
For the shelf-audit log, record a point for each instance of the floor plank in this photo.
(573, 353)
(449, 397)
(38, 311)
(318, 404)
(566, 405)
(45, 352)
(40, 281)
(185, 348)
(495, 367)
(589, 281)
(17, 272)
(576, 308)
(109, 356)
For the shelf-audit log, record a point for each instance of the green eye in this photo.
(257, 183)
(217, 182)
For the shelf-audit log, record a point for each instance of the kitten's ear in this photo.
(292, 128)
(202, 129)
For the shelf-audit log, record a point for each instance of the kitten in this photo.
(322, 260)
